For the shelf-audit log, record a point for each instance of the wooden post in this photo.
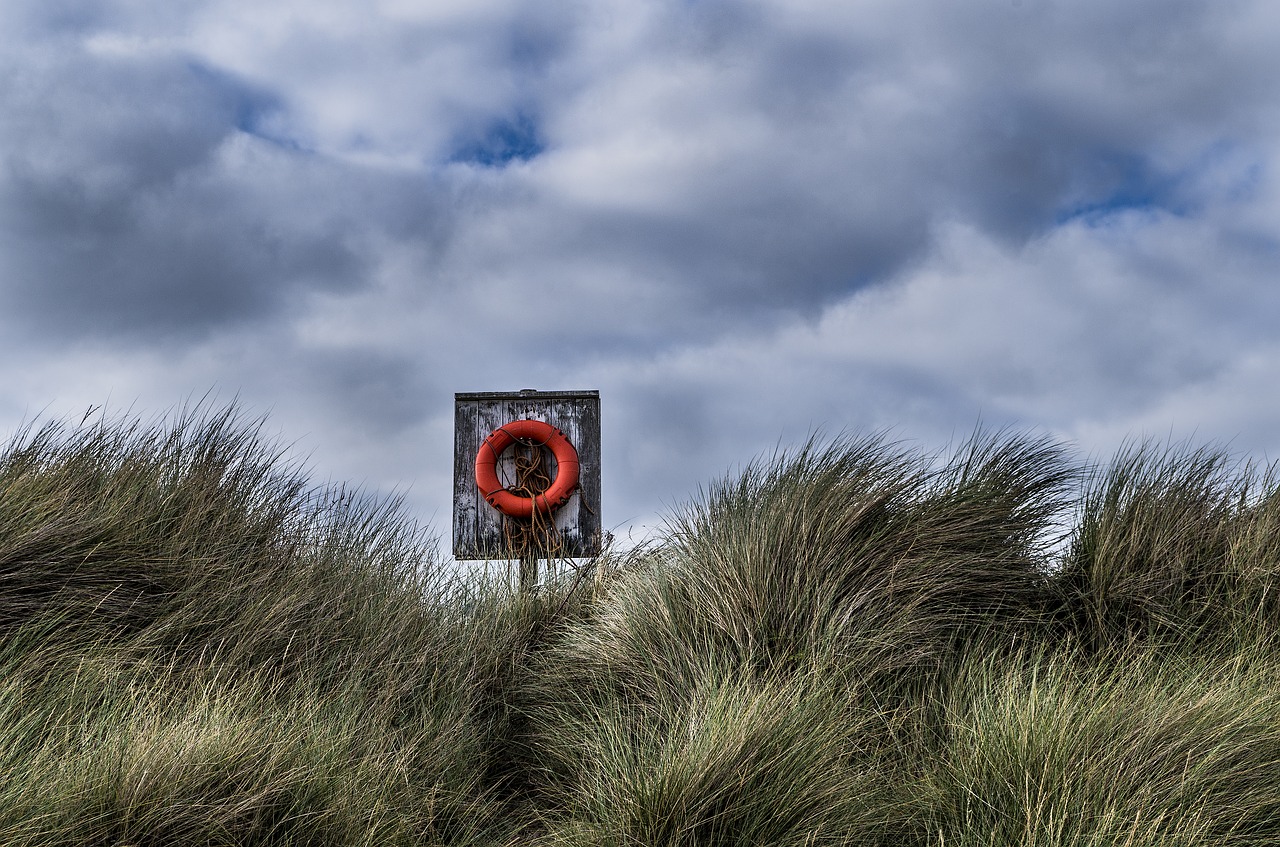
(528, 570)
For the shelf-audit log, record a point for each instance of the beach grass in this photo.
(851, 643)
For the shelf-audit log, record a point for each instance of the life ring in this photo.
(496, 494)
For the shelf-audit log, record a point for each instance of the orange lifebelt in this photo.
(496, 494)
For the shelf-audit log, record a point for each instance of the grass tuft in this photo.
(1177, 543)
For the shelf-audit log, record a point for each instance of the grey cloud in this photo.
(829, 154)
(808, 179)
(121, 218)
(383, 392)
(147, 268)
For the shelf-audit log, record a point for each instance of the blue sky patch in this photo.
(1121, 182)
(252, 109)
(503, 141)
(1126, 182)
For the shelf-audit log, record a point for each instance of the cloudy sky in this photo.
(741, 221)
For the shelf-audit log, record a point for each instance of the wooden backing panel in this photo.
(477, 526)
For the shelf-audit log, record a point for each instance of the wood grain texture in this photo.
(477, 526)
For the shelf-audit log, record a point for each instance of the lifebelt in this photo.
(492, 489)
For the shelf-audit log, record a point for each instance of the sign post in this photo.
(526, 477)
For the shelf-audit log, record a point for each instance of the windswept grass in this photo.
(125, 755)
(854, 643)
(1141, 749)
(205, 649)
(743, 760)
(1174, 543)
(862, 556)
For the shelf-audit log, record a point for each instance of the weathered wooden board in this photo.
(478, 527)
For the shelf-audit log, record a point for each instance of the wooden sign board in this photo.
(478, 528)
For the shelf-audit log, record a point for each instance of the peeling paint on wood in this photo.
(477, 526)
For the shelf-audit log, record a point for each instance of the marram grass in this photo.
(850, 644)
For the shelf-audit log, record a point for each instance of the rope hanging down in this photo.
(537, 533)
